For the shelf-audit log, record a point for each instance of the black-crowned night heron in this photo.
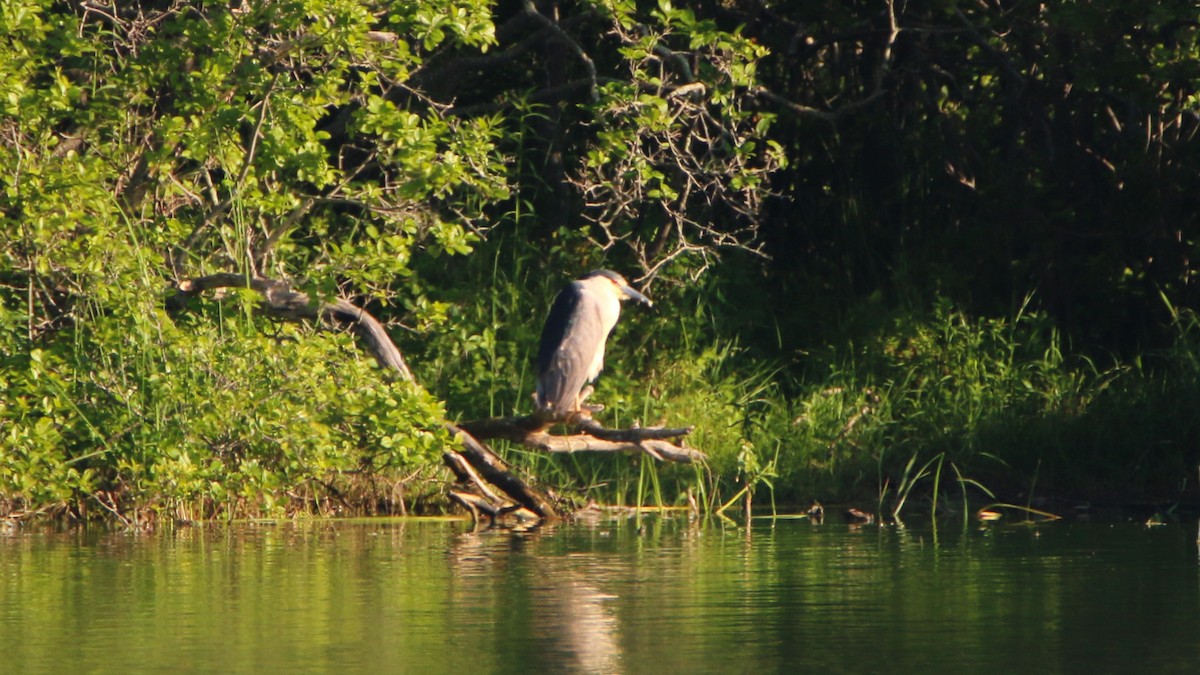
(572, 349)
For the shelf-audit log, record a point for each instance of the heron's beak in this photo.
(634, 295)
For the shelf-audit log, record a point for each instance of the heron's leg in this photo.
(589, 409)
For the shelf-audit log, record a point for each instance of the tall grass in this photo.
(1005, 404)
(915, 408)
(926, 389)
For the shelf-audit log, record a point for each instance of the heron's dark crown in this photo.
(609, 274)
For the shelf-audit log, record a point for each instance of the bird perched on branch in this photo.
(572, 348)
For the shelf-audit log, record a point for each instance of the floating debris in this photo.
(854, 515)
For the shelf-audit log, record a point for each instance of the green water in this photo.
(629, 596)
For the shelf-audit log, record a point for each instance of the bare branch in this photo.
(467, 475)
(285, 303)
(823, 115)
(497, 473)
(558, 32)
(661, 450)
(588, 436)
(281, 301)
(877, 80)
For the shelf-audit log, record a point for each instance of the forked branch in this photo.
(282, 302)
(475, 465)
(586, 435)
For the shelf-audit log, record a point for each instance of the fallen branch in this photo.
(280, 301)
(475, 465)
(495, 471)
(468, 476)
(476, 505)
(586, 436)
(660, 450)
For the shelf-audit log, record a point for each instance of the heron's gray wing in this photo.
(566, 349)
(554, 331)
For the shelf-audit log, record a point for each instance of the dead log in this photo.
(586, 436)
(473, 463)
(282, 302)
(469, 477)
(660, 450)
(494, 470)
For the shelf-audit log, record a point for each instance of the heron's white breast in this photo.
(602, 306)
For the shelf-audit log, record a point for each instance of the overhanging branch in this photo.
(475, 462)
(284, 303)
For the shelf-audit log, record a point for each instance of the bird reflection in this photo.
(554, 602)
(589, 626)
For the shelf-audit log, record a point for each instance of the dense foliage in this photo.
(876, 233)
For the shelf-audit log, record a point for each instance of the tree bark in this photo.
(494, 470)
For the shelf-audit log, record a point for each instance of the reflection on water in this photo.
(618, 596)
(568, 613)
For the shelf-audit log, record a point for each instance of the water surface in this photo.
(629, 595)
